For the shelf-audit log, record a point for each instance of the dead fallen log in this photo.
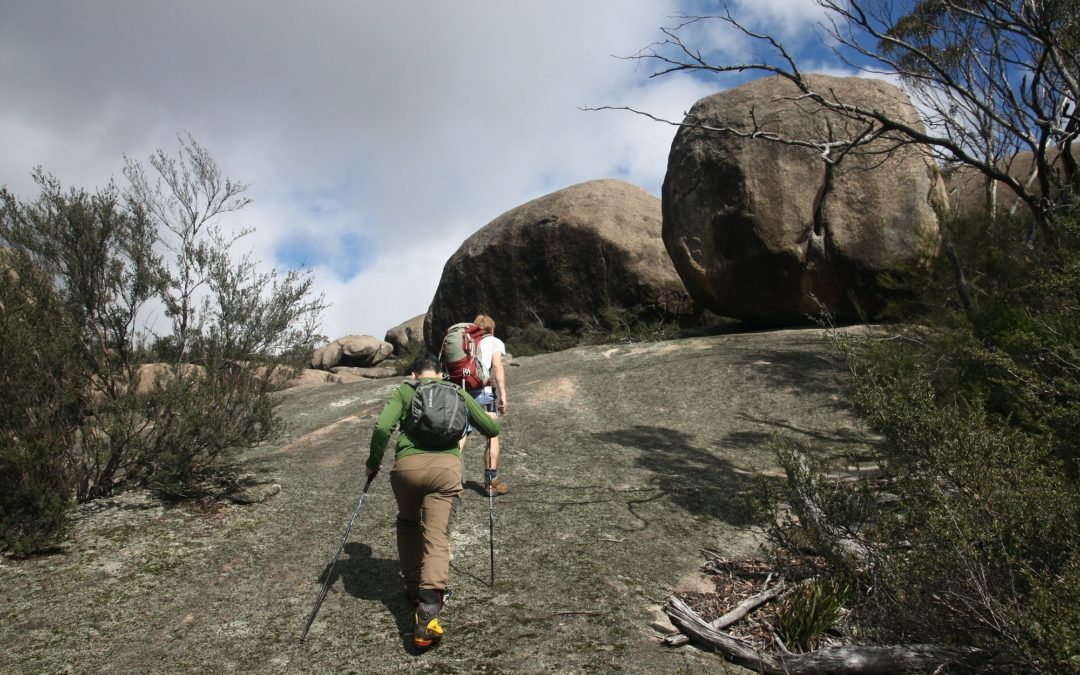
(735, 615)
(795, 569)
(852, 660)
(748, 568)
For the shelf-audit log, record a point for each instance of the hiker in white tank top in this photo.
(492, 397)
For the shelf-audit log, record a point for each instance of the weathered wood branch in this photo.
(849, 546)
(735, 615)
(963, 288)
(853, 660)
(740, 567)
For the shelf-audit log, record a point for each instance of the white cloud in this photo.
(400, 127)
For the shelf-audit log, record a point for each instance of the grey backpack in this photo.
(437, 416)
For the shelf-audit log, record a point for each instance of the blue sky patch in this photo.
(346, 254)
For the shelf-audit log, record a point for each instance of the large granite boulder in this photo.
(406, 334)
(326, 357)
(358, 351)
(967, 187)
(151, 377)
(762, 231)
(559, 260)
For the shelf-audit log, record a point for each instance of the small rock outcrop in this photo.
(764, 231)
(307, 378)
(372, 373)
(152, 376)
(255, 493)
(559, 259)
(406, 334)
(358, 351)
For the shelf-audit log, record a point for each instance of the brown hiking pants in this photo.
(425, 486)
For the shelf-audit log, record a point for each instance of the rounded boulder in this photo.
(770, 232)
(405, 334)
(560, 260)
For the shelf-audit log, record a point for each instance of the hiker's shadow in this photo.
(369, 578)
(476, 487)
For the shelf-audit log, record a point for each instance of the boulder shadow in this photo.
(852, 444)
(817, 374)
(692, 477)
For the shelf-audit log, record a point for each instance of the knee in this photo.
(404, 525)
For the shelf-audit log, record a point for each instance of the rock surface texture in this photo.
(561, 259)
(758, 230)
(613, 498)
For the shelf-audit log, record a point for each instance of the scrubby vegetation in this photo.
(967, 533)
(98, 397)
(613, 325)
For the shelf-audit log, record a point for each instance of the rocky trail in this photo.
(624, 461)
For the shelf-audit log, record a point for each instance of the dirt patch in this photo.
(561, 389)
(307, 439)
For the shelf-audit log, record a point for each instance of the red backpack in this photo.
(460, 356)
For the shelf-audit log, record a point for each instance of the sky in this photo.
(376, 136)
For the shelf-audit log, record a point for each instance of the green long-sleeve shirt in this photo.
(396, 411)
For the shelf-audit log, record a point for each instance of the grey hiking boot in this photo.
(428, 629)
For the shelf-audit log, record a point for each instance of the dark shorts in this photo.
(486, 401)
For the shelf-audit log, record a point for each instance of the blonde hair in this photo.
(485, 322)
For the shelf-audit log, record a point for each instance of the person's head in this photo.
(427, 365)
(485, 322)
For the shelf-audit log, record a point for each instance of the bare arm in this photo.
(499, 374)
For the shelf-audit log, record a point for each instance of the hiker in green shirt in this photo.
(426, 478)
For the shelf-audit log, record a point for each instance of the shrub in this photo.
(38, 407)
(611, 325)
(809, 611)
(79, 424)
(535, 339)
(969, 534)
(406, 358)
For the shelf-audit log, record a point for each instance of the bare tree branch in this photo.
(993, 78)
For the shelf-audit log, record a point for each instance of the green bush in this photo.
(535, 339)
(405, 359)
(39, 407)
(84, 417)
(611, 325)
(809, 611)
(969, 535)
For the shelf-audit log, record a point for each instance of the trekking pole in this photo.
(491, 516)
(330, 572)
(491, 531)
